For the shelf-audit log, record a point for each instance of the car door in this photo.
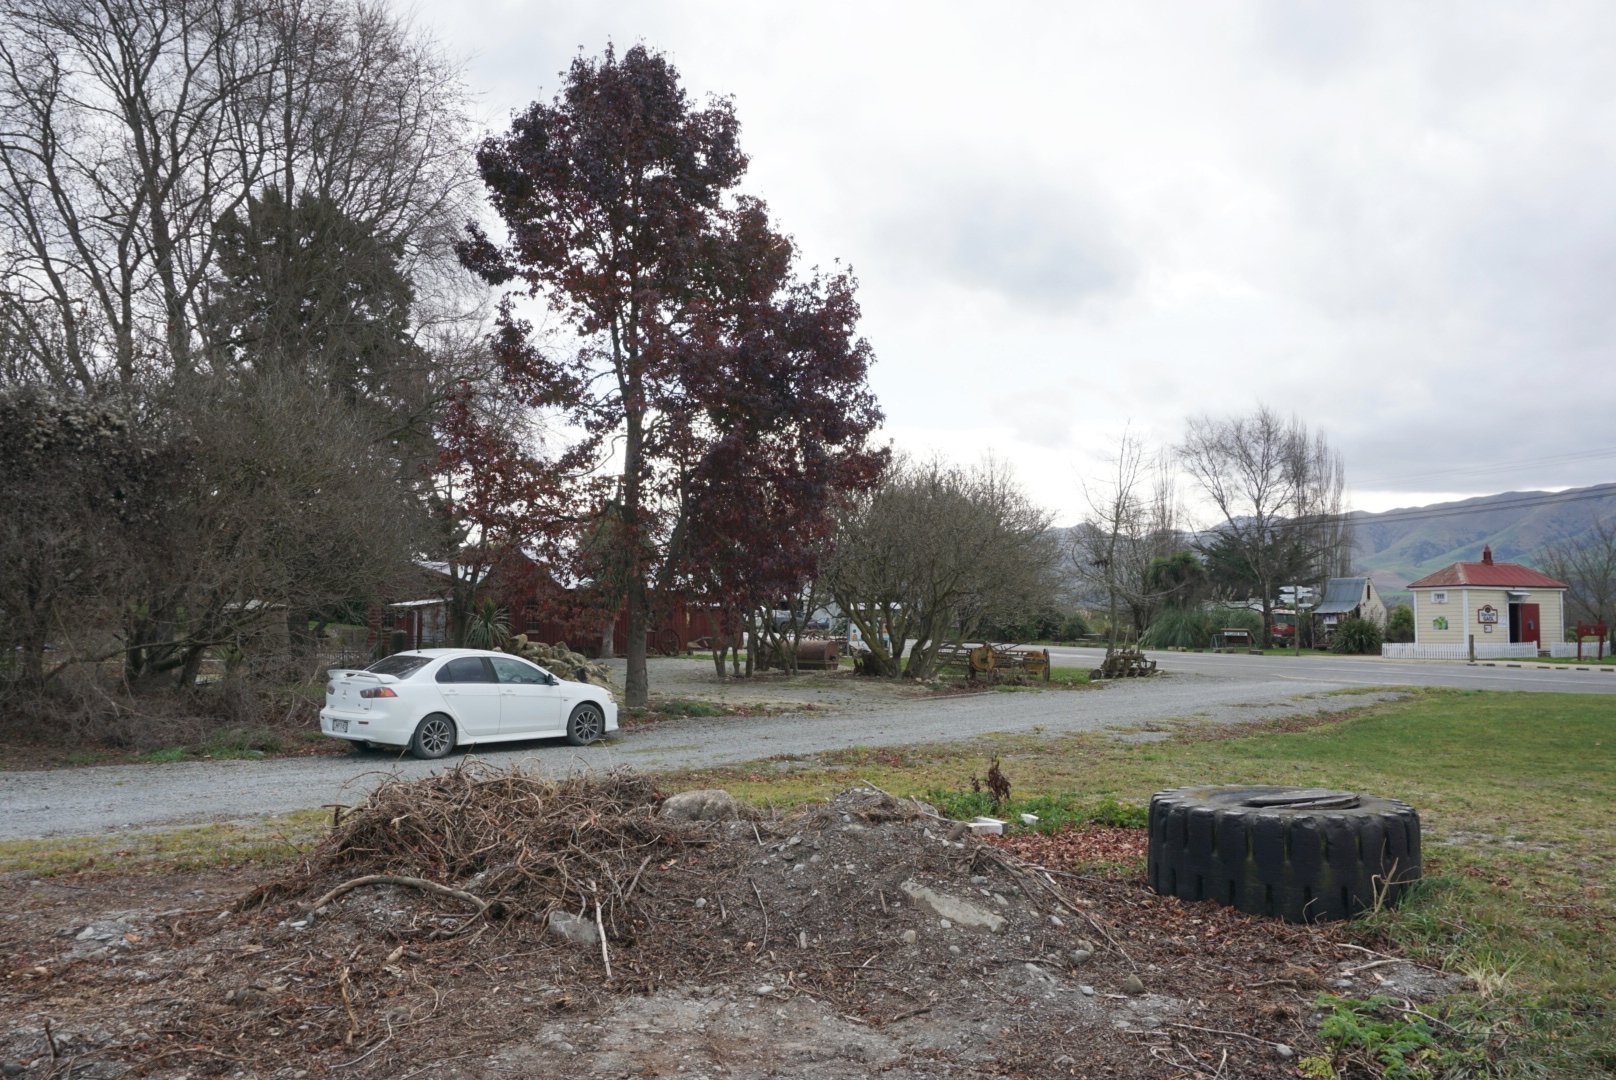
(471, 694)
(528, 702)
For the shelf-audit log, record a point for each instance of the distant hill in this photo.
(1403, 545)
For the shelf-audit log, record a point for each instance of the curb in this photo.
(1543, 667)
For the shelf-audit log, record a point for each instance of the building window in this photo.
(1439, 598)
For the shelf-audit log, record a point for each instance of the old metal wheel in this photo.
(434, 737)
(586, 724)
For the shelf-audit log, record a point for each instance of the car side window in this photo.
(515, 671)
(465, 669)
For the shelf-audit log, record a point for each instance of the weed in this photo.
(1374, 1037)
(681, 707)
(241, 742)
(163, 756)
(1054, 812)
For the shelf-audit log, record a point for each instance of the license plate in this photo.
(339, 725)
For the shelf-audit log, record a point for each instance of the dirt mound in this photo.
(496, 924)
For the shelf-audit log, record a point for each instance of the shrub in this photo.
(1228, 618)
(1188, 628)
(1074, 626)
(1356, 636)
(1400, 624)
(487, 626)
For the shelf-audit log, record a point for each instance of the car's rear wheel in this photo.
(586, 724)
(434, 737)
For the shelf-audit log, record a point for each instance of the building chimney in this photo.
(1487, 555)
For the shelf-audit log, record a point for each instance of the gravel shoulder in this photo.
(837, 712)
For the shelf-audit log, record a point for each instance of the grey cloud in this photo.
(1032, 245)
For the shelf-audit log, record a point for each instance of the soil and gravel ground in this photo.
(865, 937)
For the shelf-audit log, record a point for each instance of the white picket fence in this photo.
(1484, 651)
(1567, 650)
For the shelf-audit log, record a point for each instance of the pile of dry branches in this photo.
(504, 842)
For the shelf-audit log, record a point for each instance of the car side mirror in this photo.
(551, 680)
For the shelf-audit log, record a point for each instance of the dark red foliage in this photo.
(732, 394)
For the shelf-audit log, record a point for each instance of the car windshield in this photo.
(400, 666)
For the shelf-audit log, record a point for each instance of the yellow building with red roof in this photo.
(1497, 603)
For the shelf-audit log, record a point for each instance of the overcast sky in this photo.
(1396, 220)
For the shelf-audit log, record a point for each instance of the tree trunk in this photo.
(637, 684)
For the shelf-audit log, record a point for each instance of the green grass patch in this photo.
(1054, 812)
(200, 847)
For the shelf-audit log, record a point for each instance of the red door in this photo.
(1531, 625)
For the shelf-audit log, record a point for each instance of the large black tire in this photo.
(586, 724)
(1304, 855)
(434, 737)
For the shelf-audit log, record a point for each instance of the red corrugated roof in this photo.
(1487, 575)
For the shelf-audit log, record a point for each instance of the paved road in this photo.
(1373, 671)
(1222, 689)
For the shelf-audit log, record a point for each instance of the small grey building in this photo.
(1349, 598)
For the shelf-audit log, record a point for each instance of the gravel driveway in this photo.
(111, 798)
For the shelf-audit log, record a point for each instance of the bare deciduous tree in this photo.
(1127, 530)
(1279, 493)
(1587, 563)
(934, 553)
(129, 129)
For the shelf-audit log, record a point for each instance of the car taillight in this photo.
(380, 691)
(330, 688)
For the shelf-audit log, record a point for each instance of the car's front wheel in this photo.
(586, 724)
(434, 737)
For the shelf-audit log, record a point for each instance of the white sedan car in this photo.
(432, 700)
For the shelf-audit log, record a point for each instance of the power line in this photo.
(1484, 468)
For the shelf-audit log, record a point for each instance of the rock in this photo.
(704, 804)
(764, 991)
(1079, 956)
(1133, 984)
(1064, 1060)
(1283, 1051)
(910, 937)
(958, 830)
(951, 909)
(1088, 991)
(945, 924)
(701, 902)
(571, 928)
(246, 997)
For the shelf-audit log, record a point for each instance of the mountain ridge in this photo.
(1402, 545)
